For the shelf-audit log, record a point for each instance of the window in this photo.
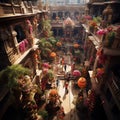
(20, 33)
(4, 1)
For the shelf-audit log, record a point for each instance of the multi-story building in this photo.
(65, 21)
(103, 51)
(19, 21)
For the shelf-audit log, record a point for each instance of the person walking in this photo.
(57, 82)
(66, 87)
(65, 67)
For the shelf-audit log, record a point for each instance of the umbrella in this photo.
(76, 73)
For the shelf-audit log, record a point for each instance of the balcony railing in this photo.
(115, 85)
(9, 9)
(115, 88)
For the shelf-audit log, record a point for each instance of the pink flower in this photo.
(101, 31)
(22, 46)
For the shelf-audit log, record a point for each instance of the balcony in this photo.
(59, 23)
(111, 1)
(23, 54)
(17, 9)
(111, 52)
(114, 86)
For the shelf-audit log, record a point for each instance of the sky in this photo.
(61, 2)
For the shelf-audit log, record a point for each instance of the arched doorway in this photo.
(67, 14)
(60, 33)
(54, 32)
(60, 15)
(76, 15)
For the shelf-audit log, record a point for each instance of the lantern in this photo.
(53, 55)
(53, 92)
(76, 45)
(82, 82)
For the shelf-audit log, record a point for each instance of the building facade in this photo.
(102, 51)
(19, 21)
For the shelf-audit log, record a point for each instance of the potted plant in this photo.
(92, 25)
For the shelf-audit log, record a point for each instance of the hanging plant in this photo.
(12, 74)
(46, 28)
(92, 25)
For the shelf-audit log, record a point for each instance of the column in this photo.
(95, 66)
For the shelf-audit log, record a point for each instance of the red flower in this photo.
(110, 29)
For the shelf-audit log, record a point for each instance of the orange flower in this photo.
(53, 54)
(93, 23)
(53, 92)
(76, 45)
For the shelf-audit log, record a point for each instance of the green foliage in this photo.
(97, 19)
(50, 74)
(110, 37)
(11, 74)
(46, 27)
(52, 40)
(44, 114)
(46, 24)
(46, 46)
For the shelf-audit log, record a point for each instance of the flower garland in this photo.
(100, 72)
(101, 31)
(23, 45)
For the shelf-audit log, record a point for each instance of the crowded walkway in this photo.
(66, 98)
